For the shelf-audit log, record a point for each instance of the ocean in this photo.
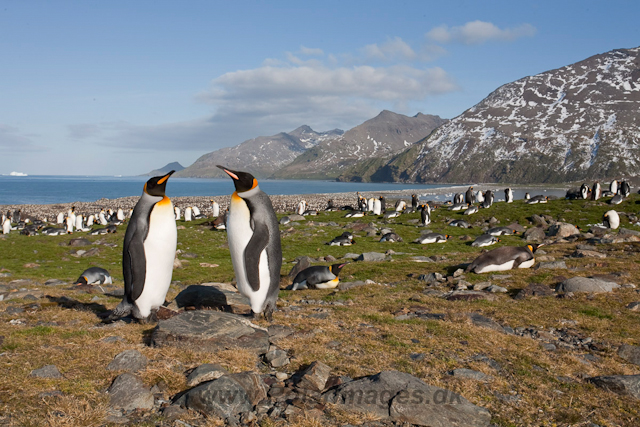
(43, 189)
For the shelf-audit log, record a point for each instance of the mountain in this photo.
(379, 138)
(262, 155)
(175, 166)
(578, 122)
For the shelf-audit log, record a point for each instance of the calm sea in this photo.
(67, 189)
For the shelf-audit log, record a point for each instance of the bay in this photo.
(43, 189)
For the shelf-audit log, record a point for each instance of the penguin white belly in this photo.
(159, 251)
(239, 233)
(496, 267)
(331, 284)
(527, 264)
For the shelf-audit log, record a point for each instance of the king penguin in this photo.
(504, 258)
(94, 275)
(318, 277)
(611, 219)
(254, 243)
(148, 252)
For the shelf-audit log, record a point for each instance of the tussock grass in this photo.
(547, 388)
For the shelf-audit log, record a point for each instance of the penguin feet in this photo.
(151, 318)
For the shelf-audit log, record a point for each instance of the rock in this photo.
(479, 320)
(277, 332)
(177, 263)
(480, 286)
(314, 377)
(535, 234)
(581, 253)
(214, 295)
(206, 372)
(470, 374)
(401, 397)
(627, 232)
(210, 331)
(431, 278)
(539, 221)
(562, 230)
(625, 385)
(31, 265)
(47, 371)
(583, 284)
(128, 392)
(501, 276)
(27, 294)
(551, 265)
(371, 256)
(226, 397)
(303, 262)
(421, 259)
(459, 272)
(469, 296)
(634, 306)
(277, 358)
(350, 255)
(128, 360)
(549, 346)
(54, 282)
(534, 290)
(496, 289)
(630, 353)
(343, 286)
(79, 241)
(296, 217)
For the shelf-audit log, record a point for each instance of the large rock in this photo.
(625, 385)
(584, 284)
(210, 331)
(562, 229)
(630, 353)
(214, 295)
(535, 234)
(206, 372)
(47, 371)
(128, 360)
(128, 392)
(314, 377)
(371, 256)
(402, 397)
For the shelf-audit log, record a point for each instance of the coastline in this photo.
(281, 203)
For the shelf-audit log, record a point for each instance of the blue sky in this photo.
(123, 87)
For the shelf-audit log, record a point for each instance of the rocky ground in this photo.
(408, 338)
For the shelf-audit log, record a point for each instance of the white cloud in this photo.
(311, 51)
(13, 140)
(478, 32)
(393, 49)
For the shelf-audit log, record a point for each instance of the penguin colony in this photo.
(254, 238)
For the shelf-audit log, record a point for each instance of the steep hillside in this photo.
(378, 138)
(174, 166)
(265, 154)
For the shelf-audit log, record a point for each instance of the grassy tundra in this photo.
(359, 334)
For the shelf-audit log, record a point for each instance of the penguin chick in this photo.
(318, 277)
(254, 243)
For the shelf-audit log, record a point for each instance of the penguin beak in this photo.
(166, 177)
(228, 172)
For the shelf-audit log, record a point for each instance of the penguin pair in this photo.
(504, 258)
(148, 252)
(318, 277)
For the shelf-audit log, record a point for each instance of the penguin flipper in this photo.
(135, 268)
(256, 245)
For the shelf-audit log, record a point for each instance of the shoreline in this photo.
(281, 203)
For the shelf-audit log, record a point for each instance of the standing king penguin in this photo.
(254, 243)
(148, 252)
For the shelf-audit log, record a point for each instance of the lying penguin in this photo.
(501, 231)
(485, 240)
(391, 237)
(504, 258)
(318, 277)
(94, 275)
(459, 223)
(345, 239)
(432, 238)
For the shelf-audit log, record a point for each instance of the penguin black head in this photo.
(243, 181)
(534, 248)
(82, 280)
(157, 185)
(335, 268)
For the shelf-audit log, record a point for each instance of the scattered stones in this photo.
(583, 284)
(206, 372)
(534, 290)
(630, 353)
(371, 256)
(563, 230)
(404, 398)
(581, 253)
(26, 294)
(47, 371)
(276, 358)
(470, 374)
(314, 377)
(432, 278)
(551, 265)
(214, 295)
(210, 331)
(128, 392)
(128, 360)
(469, 296)
(480, 286)
(625, 385)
